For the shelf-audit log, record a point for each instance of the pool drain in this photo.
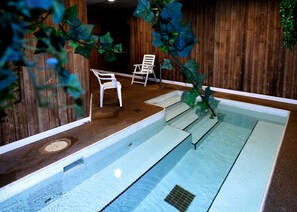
(179, 198)
(57, 145)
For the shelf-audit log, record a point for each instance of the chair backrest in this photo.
(148, 62)
(104, 76)
(97, 74)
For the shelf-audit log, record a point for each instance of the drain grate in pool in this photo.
(180, 198)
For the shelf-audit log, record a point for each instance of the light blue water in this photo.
(201, 171)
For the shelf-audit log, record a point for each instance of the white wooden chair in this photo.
(144, 69)
(111, 82)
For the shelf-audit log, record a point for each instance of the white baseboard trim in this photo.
(34, 138)
(241, 93)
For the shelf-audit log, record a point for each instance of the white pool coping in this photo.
(44, 173)
(246, 187)
(248, 107)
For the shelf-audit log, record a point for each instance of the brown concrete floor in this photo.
(111, 118)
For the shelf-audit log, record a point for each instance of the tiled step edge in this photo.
(175, 110)
(107, 186)
(248, 180)
(202, 127)
(181, 122)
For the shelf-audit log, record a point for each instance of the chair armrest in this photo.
(104, 76)
(137, 65)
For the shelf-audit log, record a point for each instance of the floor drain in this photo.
(57, 145)
(180, 198)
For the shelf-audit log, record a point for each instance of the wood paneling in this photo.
(239, 48)
(27, 118)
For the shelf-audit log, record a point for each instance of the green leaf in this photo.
(118, 48)
(106, 38)
(7, 78)
(57, 10)
(106, 42)
(84, 50)
(202, 109)
(167, 64)
(144, 11)
(213, 103)
(172, 14)
(110, 57)
(190, 71)
(37, 4)
(81, 32)
(157, 42)
(208, 93)
(48, 37)
(70, 16)
(288, 14)
(189, 97)
(73, 87)
(73, 44)
(185, 40)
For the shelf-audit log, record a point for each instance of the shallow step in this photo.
(245, 185)
(170, 101)
(202, 127)
(175, 110)
(106, 185)
(183, 121)
(166, 100)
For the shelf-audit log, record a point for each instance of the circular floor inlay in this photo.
(57, 145)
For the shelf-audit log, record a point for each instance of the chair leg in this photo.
(146, 79)
(155, 76)
(119, 89)
(133, 78)
(101, 97)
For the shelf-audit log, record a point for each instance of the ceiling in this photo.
(117, 4)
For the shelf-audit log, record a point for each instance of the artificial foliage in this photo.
(177, 38)
(288, 13)
(20, 18)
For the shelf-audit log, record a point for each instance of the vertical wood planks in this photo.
(27, 118)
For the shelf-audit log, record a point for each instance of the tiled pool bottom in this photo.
(116, 168)
(200, 172)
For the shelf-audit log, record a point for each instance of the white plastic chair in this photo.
(144, 69)
(111, 83)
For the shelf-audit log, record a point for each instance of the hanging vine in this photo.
(177, 38)
(18, 18)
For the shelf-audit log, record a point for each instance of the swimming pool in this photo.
(144, 173)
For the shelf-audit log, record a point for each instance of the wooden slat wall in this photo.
(240, 46)
(26, 118)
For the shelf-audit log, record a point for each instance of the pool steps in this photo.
(181, 116)
(182, 122)
(120, 175)
(200, 129)
(162, 143)
(176, 109)
(177, 130)
(241, 187)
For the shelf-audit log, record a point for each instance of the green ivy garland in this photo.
(21, 17)
(177, 38)
(288, 12)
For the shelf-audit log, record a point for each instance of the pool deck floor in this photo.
(111, 118)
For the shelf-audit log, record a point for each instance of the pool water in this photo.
(137, 169)
(201, 171)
